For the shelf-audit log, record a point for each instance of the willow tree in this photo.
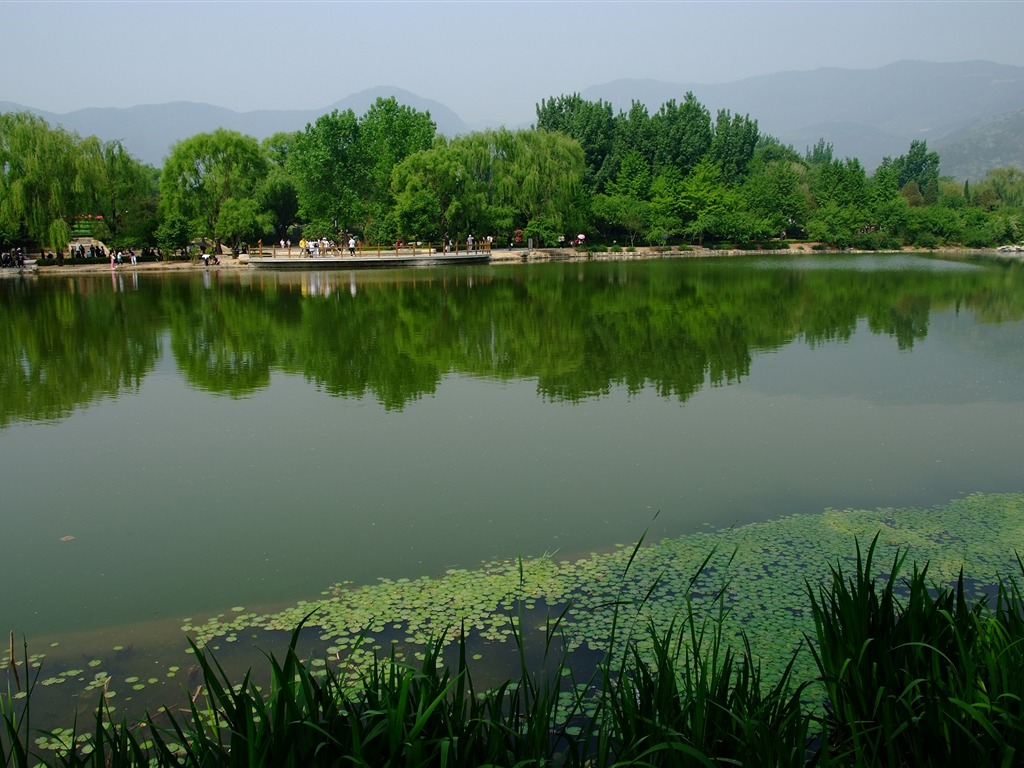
(434, 195)
(124, 192)
(206, 171)
(538, 180)
(43, 176)
(492, 182)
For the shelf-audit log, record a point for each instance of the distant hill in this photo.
(996, 142)
(970, 112)
(149, 131)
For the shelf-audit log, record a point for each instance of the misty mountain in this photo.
(971, 112)
(149, 131)
(996, 142)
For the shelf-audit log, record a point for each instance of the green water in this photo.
(223, 439)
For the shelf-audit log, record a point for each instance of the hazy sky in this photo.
(489, 60)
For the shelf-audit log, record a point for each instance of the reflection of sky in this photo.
(955, 363)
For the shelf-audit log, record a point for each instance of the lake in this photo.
(175, 445)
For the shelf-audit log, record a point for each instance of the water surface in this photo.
(223, 440)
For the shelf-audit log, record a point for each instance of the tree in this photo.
(43, 175)
(627, 204)
(174, 233)
(241, 221)
(821, 154)
(918, 165)
(277, 193)
(773, 194)
(1008, 185)
(124, 193)
(277, 196)
(667, 212)
(204, 172)
(887, 205)
(841, 209)
(682, 134)
(590, 123)
(537, 175)
(733, 145)
(327, 169)
(443, 191)
(388, 133)
(491, 181)
(703, 202)
(277, 148)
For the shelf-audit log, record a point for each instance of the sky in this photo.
(488, 60)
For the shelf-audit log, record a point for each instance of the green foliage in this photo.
(628, 213)
(914, 673)
(342, 166)
(277, 196)
(47, 175)
(328, 169)
(205, 172)
(591, 124)
(544, 230)
(773, 193)
(125, 194)
(682, 133)
(387, 175)
(733, 144)
(918, 165)
(1007, 184)
(174, 233)
(490, 182)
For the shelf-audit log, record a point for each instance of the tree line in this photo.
(678, 176)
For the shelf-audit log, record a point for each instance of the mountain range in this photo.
(971, 113)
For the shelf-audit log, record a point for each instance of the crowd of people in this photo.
(323, 246)
(93, 251)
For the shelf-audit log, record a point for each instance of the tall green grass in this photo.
(912, 675)
(915, 674)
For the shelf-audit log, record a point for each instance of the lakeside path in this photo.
(228, 263)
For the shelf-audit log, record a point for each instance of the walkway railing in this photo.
(378, 250)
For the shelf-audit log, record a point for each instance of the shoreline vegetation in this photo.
(680, 175)
(794, 642)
